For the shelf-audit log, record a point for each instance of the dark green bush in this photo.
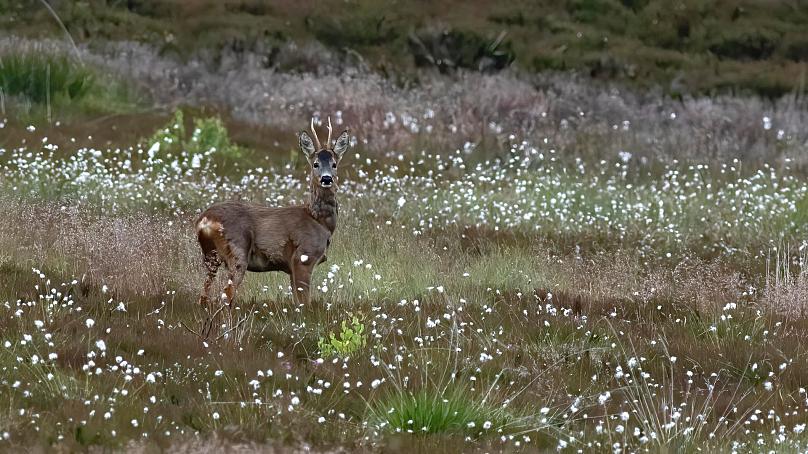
(370, 30)
(746, 45)
(453, 49)
(797, 49)
(607, 14)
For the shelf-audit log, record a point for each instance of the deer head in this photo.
(323, 160)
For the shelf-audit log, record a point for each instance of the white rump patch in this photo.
(304, 258)
(204, 223)
(208, 225)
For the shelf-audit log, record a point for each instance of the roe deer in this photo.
(246, 237)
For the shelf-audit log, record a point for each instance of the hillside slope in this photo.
(691, 46)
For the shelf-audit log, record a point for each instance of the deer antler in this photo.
(328, 144)
(316, 139)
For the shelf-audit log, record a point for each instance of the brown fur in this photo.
(246, 237)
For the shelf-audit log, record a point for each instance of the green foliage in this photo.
(44, 78)
(172, 134)
(752, 45)
(452, 49)
(366, 30)
(431, 411)
(594, 11)
(352, 337)
(32, 81)
(712, 45)
(209, 136)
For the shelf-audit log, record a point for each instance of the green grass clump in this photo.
(32, 83)
(44, 78)
(432, 411)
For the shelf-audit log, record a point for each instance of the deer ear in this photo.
(306, 144)
(341, 145)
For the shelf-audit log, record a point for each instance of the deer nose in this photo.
(326, 180)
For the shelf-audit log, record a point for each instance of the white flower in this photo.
(101, 345)
(215, 416)
(89, 322)
(150, 378)
(154, 149)
(401, 201)
(304, 258)
(487, 425)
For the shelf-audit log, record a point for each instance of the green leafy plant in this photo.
(351, 338)
(209, 136)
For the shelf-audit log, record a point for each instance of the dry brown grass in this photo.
(134, 254)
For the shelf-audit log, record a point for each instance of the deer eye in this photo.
(334, 165)
(316, 165)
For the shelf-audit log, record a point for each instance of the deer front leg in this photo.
(301, 283)
(302, 269)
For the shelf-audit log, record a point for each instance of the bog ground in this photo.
(513, 303)
(522, 262)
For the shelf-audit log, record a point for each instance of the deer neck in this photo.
(323, 207)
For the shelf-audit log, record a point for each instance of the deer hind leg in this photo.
(213, 241)
(212, 263)
(235, 275)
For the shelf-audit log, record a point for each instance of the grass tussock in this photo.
(36, 80)
(42, 78)
(442, 411)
